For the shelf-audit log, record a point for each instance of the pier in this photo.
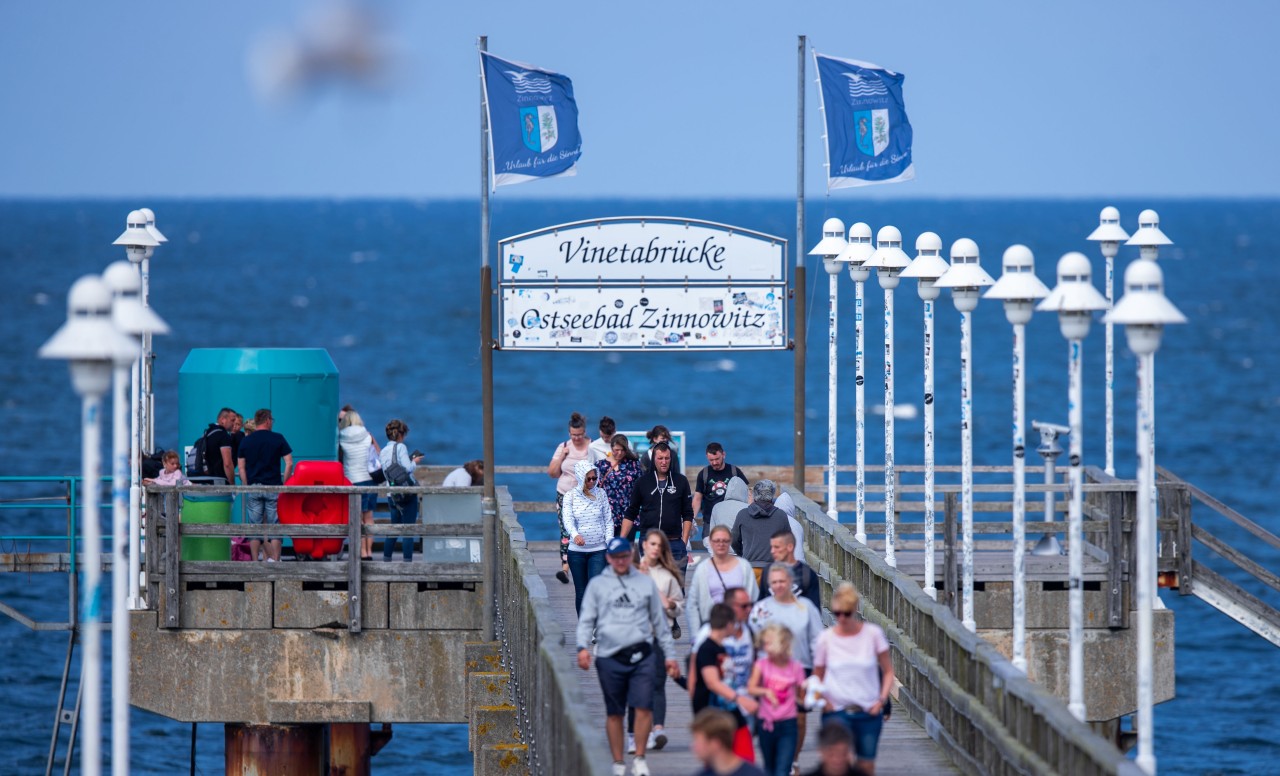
(477, 630)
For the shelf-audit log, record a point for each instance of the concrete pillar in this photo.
(274, 750)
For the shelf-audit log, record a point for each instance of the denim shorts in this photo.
(368, 501)
(864, 727)
(626, 684)
(260, 509)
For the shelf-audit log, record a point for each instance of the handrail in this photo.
(562, 735)
(990, 717)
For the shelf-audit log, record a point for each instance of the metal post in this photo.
(91, 615)
(1019, 499)
(860, 416)
(1075, 550)
(1146, 576)
(930, 585)
(488, 510)
(832, 366)
(799, 284)
(966, 469)
(1110, 466)
(120, 537)
(135, 489)
(889, 473)
(146, 422)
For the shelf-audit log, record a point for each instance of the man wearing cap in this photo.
(623, 609)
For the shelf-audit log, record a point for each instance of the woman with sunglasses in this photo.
(852, 660)
(588, 521)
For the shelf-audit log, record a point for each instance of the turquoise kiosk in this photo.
(298, 385)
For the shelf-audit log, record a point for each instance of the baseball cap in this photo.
(617, 545)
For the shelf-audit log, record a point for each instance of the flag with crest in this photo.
(533, 121)
(868, 135)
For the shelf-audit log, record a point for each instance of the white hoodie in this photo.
(592, 519)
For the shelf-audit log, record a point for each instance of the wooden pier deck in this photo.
(904, 746)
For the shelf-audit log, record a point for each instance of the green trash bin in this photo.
(206, 509)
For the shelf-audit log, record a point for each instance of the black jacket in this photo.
(666, 507)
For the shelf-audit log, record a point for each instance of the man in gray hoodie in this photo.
(735, 500)
(756, 525)
(624, 610)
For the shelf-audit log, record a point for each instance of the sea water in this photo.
(390, 289)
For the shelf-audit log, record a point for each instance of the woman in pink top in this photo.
(777, 680)
(567, 455)
(852, 661)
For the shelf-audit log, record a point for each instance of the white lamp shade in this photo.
(928, 263)
(1074, 292)
(965, 270)
(888, 254)
(149, 218)
(89, 334)
(1109, 229)
(1144, 302)
(832, 243)
(1018, 281)
(1149, 234)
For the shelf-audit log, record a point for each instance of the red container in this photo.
(315, 508)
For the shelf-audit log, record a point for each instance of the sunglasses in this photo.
(841, 614)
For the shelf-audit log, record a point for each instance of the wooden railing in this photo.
(562, 736)
(983, 711)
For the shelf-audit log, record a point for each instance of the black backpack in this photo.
(197, 463)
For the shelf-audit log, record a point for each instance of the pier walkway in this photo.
(904, 746)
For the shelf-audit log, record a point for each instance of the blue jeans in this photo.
(583, 566)
(778, 746)
(404, 511)
(680, 554)
(864, 727)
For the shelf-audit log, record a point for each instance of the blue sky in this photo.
(678, 99)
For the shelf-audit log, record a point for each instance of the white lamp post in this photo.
(1019, 289)
(1149, 240)
(90, 342)
(966, 278)
(138, 245)
(148, 384)
(129, 317)
(928, 266)
(1144, 311)
(1075, 300)
(855, 254)
(830, 248)
(1109, 235)
(888, 261)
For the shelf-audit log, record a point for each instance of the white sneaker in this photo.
(631, 743)
(657, 740)
(619, 769)
(639, 768)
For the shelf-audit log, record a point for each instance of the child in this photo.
(777, 679)
(171, 475)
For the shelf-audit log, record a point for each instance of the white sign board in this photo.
(648, 250)
(655, 318)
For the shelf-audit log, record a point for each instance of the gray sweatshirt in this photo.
(752, 530)
(622, 610)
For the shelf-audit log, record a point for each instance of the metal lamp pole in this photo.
(888, 261)
(91, 344)
(130, 318)
(1109, 236)
(138, 244)
(1075, 300)
(1149, 239)
(1019, 289)
(928, 266)
(855, 254)
(830, 248)
(966, 278)
(148, 384)
(1144, 311)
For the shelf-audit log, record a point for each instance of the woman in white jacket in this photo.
(588, 520)
(715, 575)
(357, 446)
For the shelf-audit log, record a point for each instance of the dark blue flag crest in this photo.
(868, 135)
(533, 121)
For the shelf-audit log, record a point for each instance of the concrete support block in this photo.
(486, 688)
(491, 725)
(239, 606)
(483, 656)
(435, 606)
(282, 712)
(1110, 658)
(301, 604)
(993, 606)
(496, 759)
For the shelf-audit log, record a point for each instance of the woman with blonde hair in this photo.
(718, 573)
(852, 660)
(355, 446)
(561, 469)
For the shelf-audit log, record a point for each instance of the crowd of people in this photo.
(755, 658)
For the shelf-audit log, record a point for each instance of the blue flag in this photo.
(868, 135)
(533, 121)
